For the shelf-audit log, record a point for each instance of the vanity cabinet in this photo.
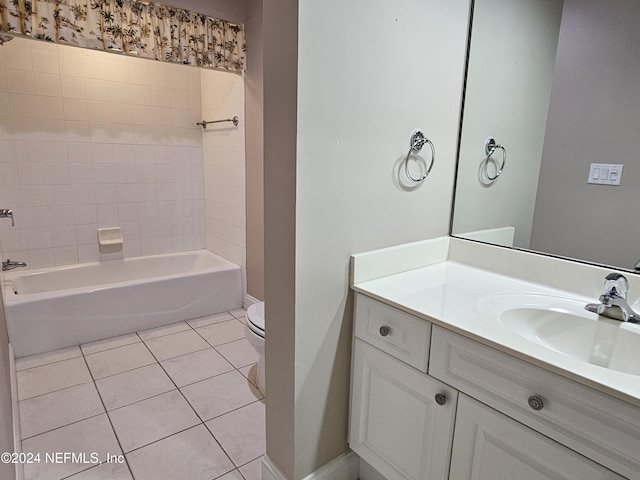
(401, 419)
(490, 446)
(452, 408)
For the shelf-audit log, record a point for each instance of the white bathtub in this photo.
(57, 307)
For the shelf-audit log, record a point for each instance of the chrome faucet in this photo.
(613, 302)
(9, 264)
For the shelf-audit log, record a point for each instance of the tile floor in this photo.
(176, 403)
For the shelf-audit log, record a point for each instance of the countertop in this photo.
(448, 294)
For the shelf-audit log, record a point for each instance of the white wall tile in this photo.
(95, 67)
(75, 109)
(48, 84)
(49, 107)
(114, 143)
(83, 194)
(41, 258)
(20, 81)
(45, 60)
(97, 89)
(65, 255)
(64, 236)
(70, 64)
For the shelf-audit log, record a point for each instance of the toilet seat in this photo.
(255, 318)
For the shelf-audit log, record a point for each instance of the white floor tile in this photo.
(118, 360)
(165, 330)
(57, 409)
(219, 395)
(196, 366)
(252, 470)
(239, 313)
(180, 343)
(101, 345)
(193, 454)
(240, 353)
(232, 475)
(133, 385)
(223, 332)
(106, 471)
(46, 358)
(51, 377)
(208, 320)
(149, 420)
(93, 435)
(241, 433)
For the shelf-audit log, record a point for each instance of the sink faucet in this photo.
(10, 265)
(613, 302)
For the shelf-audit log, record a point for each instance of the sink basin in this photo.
(563, 325)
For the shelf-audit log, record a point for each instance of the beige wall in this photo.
(280, 106)
(367, 75)
(594, 117)
(254, 150)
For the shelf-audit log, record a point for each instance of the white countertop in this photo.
(448, 293)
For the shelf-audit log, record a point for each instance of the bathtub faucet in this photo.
(9, 264)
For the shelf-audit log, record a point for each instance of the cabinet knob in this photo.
(535, 402)
(441, 398)
(384, 330)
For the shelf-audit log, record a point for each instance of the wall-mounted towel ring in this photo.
(490, 146)
(418, 140)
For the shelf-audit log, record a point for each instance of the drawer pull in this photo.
(384, 330)
(536, 403)
(441, 398)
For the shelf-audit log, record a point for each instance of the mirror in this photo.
(555, 84)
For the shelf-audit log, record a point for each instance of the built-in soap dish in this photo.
(110, 239)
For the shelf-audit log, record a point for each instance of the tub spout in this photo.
(9, 264)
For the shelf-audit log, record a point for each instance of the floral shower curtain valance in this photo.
(149, 30)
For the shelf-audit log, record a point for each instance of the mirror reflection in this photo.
(554, 84)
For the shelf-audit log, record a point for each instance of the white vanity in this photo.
(475, 362)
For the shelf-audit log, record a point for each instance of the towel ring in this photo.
(418, 140)
(490, 147)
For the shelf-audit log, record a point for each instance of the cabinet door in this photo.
(491, 446)
(396, 424)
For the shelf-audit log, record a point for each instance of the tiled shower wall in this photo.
(90, 139)
(224, 165)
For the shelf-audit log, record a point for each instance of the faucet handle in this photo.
(616, 284)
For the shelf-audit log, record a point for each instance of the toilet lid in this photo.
(255, 315)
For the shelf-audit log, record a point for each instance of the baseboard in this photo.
(248, 300)
(344, 467)
(15, 413)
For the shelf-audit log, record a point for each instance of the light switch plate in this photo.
(605, 173)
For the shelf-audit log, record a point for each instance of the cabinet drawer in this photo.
(589, 422)
(399, 334)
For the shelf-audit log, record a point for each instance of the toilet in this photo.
(254, 332)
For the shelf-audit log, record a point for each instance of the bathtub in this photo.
(52, 308)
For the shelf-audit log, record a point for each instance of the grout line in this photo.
(47, 363)
(179, 389)
(56, 390)
(65, 425)
(113, 430)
